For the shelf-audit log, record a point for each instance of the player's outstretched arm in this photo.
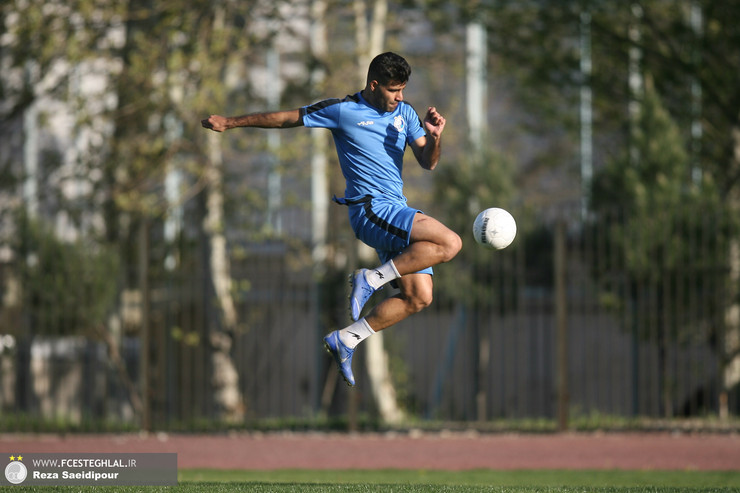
(272, 119)
(428, 149)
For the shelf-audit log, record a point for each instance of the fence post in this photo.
(144, 354)
(561, 323)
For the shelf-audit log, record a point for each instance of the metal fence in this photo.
(559, 325)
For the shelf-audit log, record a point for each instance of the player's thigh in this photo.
(426, 228)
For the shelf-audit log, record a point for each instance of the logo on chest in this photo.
(399, 123)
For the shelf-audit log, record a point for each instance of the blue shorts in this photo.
(384, 225)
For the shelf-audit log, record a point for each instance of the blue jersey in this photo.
(370, 143)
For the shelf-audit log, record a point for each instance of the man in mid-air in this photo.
(371, 130)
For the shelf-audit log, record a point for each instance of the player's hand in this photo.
(215, 122)
(434, 123)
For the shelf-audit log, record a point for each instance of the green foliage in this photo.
(652, 187)
(664, 228)
(695, 69)
(69, 287)
(43, 35)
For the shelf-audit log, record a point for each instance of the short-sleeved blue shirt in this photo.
(370, 143)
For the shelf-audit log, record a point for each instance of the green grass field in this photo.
(405, 481)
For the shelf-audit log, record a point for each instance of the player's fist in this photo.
(215, 122)
(434, 122)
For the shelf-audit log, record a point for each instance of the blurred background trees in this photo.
(623, 112)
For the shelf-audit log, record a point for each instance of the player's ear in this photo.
(373, 84)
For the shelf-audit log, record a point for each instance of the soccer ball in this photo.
(494, 228)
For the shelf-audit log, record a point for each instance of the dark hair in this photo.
(389, 67)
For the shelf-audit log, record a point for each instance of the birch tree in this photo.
(58, 62)
(170, 80)
(370, 37)
(225, 376)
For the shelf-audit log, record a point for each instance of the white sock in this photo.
(356, 333)
(382, 275)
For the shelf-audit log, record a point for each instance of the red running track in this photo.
(415, 450)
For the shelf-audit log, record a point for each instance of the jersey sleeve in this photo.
(415, 129)
(323, 114)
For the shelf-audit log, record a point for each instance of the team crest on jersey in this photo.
(399, 123)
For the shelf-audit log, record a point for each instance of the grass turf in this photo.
(413, 481)
(477, 477)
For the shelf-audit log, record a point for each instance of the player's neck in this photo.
(369, 97)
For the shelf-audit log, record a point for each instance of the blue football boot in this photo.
(361, 292)
(342, 355)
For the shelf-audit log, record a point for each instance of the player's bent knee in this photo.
(452, 246)
(418, 303)
(420, 299)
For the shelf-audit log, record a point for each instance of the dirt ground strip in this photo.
(413, 450)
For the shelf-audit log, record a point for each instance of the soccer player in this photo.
(371, 131)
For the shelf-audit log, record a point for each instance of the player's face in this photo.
(387, 96)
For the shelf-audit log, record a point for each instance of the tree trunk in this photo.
(319, 144)
(225, 378)
(376, 358)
